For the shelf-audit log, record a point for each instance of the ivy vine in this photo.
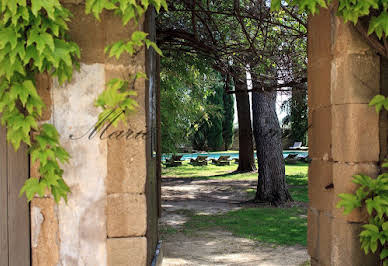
(34, 40)
(349, 10)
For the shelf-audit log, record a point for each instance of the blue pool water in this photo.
(188, 156)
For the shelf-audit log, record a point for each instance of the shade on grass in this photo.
(298, 193)
(283, 226)
(269, 225)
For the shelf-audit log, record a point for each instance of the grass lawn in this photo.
(283, 226)
(296, 174)
(270, 225)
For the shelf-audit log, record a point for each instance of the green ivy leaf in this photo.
(31, 187)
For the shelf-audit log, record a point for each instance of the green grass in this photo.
(165, 230)
(269, 225)
(298, 193)
(209, 171)
(296, 174)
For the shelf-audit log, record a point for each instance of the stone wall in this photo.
(344, 135)
(108, 219)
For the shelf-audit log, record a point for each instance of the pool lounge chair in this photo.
(222, 160)
(174, 161)
(297, 145)
(291, 159)
(199, 161)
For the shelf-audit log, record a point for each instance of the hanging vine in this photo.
(117, 99)
(33, 40)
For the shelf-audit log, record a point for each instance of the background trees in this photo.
(243, 36)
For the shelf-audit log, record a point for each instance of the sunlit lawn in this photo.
(270, 225)
(296, 174)
(284, 226)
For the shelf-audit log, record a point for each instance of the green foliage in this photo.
(138, 40)
(227, 125)
(295, 123)
(372, 194)
(117, 100)
(349, 10)
(127, 9)
(270, 225)
(214, 133)
(186, 83)
(32, 41)
(379, 101)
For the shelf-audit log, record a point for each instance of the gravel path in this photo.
(182, 195)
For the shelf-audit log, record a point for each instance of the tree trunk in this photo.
(272, 186)
(246, 152)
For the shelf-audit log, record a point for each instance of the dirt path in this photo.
(183, 195)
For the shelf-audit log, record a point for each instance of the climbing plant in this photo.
(33, 41)
(349, 10)
(116, 100)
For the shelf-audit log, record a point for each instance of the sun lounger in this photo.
(174, 161)
(199, 161)
(297, 145)
(291, 158)
(222, 160)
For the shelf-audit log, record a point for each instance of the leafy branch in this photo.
(32, 41)
(349, 10)
(117, 100)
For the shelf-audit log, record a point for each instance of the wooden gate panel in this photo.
(14, 213)
(3, 200)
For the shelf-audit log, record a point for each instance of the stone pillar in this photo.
(344, 75)
(108, 219)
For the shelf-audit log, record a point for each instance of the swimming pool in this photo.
(233, 155)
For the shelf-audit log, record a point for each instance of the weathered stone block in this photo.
(127, 251)
(320, 139)
(44, 232)
(320, 185)
(126, 215)
(319, 36)
(115, 31)
(325, 239)
(346, 247)
(82, 221)
(313, 232)
(347, 40)
(355, 133)
(127, 169)
(319, 54)
(355, 78)
(343, 176)
(87, 32)
(319, 82)
(126, 165)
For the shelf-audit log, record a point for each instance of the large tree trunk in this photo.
(272, 186)
(246, 152)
